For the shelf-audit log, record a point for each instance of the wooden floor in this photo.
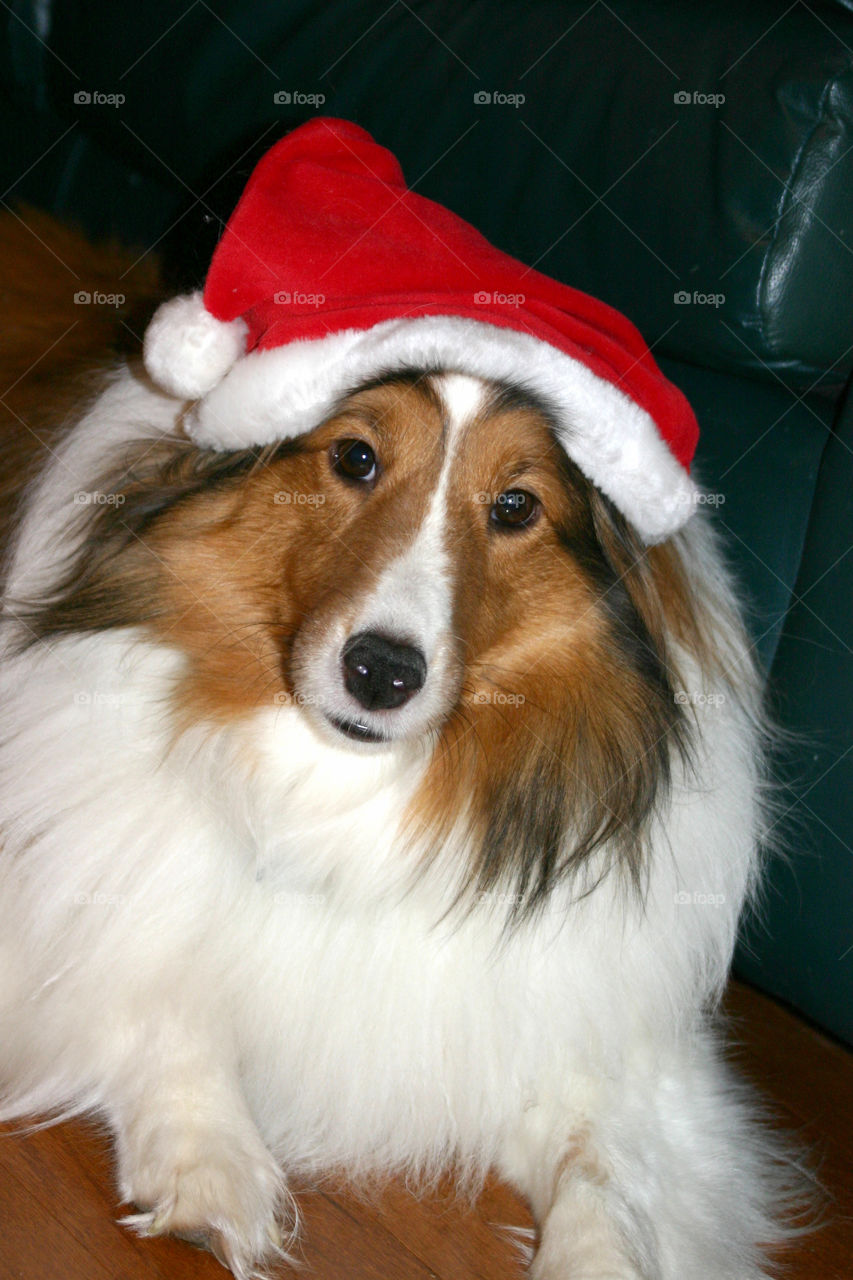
(57, 1210)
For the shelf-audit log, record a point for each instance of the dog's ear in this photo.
(661, 588)
(113, 572)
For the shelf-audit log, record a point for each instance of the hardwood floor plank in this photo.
(448, 1234)
(808, 1080)
(36, 1242)
(345, 1241)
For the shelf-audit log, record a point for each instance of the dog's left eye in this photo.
(354, 460)
(514, 509)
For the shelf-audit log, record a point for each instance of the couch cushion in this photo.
(604, 176)
(758, 459)
(800, 944)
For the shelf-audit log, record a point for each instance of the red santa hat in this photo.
(331, 271)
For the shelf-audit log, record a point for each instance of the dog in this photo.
(374, 800)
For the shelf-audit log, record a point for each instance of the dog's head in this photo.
(425, 567)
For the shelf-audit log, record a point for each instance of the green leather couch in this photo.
(691, 164)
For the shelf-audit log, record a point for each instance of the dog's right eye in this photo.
(354, 460)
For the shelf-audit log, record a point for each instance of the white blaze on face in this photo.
(411, 601)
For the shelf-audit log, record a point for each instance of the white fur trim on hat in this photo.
(187, 351)
(288, 390)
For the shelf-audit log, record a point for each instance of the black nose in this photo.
(381, 673)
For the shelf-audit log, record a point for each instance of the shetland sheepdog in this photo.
(371, 803)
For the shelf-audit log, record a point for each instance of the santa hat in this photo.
(330, 272)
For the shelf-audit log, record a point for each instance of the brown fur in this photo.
(566, 717)
(563, 720)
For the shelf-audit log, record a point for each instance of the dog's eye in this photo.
(354, 460)
(514, 509)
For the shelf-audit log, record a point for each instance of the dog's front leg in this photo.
(580, 1237)
(189, 1154)
(586, 1230)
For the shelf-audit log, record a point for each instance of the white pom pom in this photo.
(187, 351)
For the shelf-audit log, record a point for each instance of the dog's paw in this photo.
(551, 1271)
(219, 1193)
(576, 1258)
